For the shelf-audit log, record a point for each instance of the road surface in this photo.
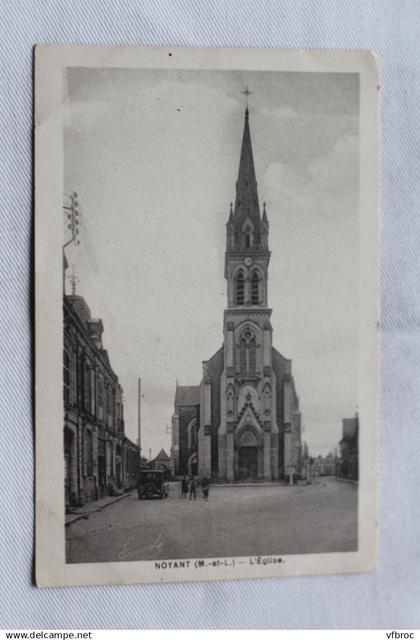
(236, 521)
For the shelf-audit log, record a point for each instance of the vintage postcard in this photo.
(206, 313)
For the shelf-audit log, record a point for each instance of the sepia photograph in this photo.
(210, 278)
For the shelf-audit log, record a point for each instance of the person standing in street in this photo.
(184, 487)
(205, 485)
(193, 488)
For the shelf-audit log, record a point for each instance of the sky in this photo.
(154, 156)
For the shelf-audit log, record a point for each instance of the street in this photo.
(236, 521)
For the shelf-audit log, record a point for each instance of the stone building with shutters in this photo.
(243, 421)
(99, 459)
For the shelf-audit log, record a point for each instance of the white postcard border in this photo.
(50, 62)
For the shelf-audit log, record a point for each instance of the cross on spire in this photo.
(247, 93)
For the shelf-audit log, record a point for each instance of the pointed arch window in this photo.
(252, 356)
(240, 289)
(247, 355)
(192, 434)
(255, 288)
(248, 237)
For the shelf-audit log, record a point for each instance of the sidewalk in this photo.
(349, 480)
(93, 507)
(257, 483)
(276, 483)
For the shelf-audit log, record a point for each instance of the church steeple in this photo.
(246, 203)
(247, 254)
(245, 226)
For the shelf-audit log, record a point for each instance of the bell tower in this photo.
(248, 433)
(247, 253)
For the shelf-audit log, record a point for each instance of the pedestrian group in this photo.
(189, 487)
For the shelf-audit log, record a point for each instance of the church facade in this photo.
(242, 422)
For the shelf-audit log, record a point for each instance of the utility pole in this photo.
(73, 223)
(139, 419)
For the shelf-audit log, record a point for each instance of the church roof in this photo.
(187, 396)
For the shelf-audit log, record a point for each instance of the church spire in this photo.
(246, 230)
(246, 202)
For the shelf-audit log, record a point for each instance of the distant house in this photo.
(348, 463)
(162, 462)
(325, 465)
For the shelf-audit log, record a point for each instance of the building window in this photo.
(252, 357)
(240, 289)
(248, 237)
(100, 398)
(255, 288)
(92, 392)
(111, 458)
(89, 453)
(109, 405)
(247, 352)
(87, 389)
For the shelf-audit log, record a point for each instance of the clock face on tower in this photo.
(248, 261)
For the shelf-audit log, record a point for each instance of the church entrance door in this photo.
(248, 463)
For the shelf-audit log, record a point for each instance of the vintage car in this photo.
(151, 484)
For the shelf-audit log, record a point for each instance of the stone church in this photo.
(242, 422)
